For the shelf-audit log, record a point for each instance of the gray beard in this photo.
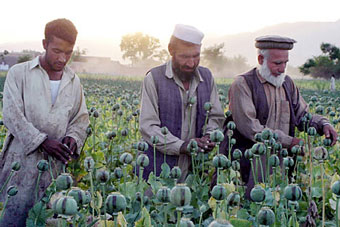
(264, 71)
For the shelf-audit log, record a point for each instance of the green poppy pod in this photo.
(154, 140)
(95, 114)
(233, 199)
(88, 163)
(12, 190)
(219, 192)
(258, 149)
(15, 166)
(78, 195)
(298, 159)
(335, 121)
(311, 131)
(216, 136)
(277, 146)
(64, 181)
(329, 109)
(248, 154)
(274, 161)
(120, 112)
(124, 132)
(115, 202)
(332, 114)
(233, 141)
(163, 195)
(102, 176)
(231, 125)
(267, 134)
(89, 131)
(336, 188)
(222, 98)
(320, 153)
(115, 107)
(192, 146)
(126, 158)
(320, 110)
(42, 165)
(135, 102)
(258, 194)
(293, 192)
(314, 99)
(271, 142)
(143, 160)
(65, 205)
(288, 162)
(266, 216)
(92, 109)
(237, 154)
(142, 146)
(164, 131)
(227, 113)
(258, 137)
(220, 161)
(327, 142)
(236, 165)
(192, 100)
(304, 119)
(118, 173)
(284, 153)
(220, 223)
(296, 149)
(110, 135)
(124, 102)
(1, 121)
(175, 172)
(207, 106)
(180, 195)
(275, 136)
(185, 222)
(308, 116)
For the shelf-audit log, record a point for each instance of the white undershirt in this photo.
(54, 90)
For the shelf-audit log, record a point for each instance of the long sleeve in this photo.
(150, 122)
(14, 113)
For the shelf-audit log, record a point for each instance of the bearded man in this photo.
(266, 98)
(167, 94)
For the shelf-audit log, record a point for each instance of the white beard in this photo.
(264, 71)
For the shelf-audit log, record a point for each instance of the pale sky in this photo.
(110, 20)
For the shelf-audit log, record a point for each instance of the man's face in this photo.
(277, 61)
(185, 58)
(58, 52)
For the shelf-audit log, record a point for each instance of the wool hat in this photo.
(188, 33)
(274, 42)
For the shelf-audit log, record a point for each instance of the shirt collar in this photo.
(262, 80)
(170, 73)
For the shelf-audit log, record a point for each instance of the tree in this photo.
(139, 47)
(76, 55)
(213, 57)
(324, 65)
(24, 58)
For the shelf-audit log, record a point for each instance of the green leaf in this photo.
(145, 219)
(165, 170)
(316, 192)
(155, 185)
(240, 222)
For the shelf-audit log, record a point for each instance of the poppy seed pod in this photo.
(308, 116)
(102, 176)
(192, 100)
(135, 102)
(118, 173)
(88, 131)
(143, 160)
(237, 154)
(220, 223)
(192, 146)
(248, 154)
(288, 162)
(296, 149)
(176, 172)
(12, 190)
(15, 166)
(185, 222)
(231, 125)
(115, 202)
(336, 188)
(327, 142)
(311, 131)
(180, 195)
(88, 163)
(233, 199)
(126, 158)
(64, 181)
(278, 147)
(164, 131)
(233, 141)
(163, 195)
(275, 136)
(293, 192)
(227, 113)
(258, 194)
(95, 114)
(320, 153)
(216, 136)
(271, 142)
(258, 137)
(219, 192)
(235, 165)
(258, 149)
(154, 140)
(207, 106)
(66, 205)
(92, 109)
(115, 107)
(120, 112)
(320, 110)
(142, 146)
(267, 134)
(78, 195)
(124, 132)
(220, 161)
(266, 216)
(284, 153)
(42, 165)
(274, 161)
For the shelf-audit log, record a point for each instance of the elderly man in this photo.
(167, 100)
(266, 98)
(45, 114)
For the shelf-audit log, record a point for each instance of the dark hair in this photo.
(61, 28)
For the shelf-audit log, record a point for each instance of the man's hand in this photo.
(296, 141)
(330, 133)
(57, 150)
(205, 143)
(71, 143)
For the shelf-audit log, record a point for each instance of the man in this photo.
(166, 94)
(45, 114)
(266, 98)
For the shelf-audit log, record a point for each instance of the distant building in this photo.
(4, 67)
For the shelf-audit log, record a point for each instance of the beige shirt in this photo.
(150, 122)
(244, 113)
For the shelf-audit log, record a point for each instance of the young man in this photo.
(44, 110)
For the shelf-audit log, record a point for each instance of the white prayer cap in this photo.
(188, 33)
